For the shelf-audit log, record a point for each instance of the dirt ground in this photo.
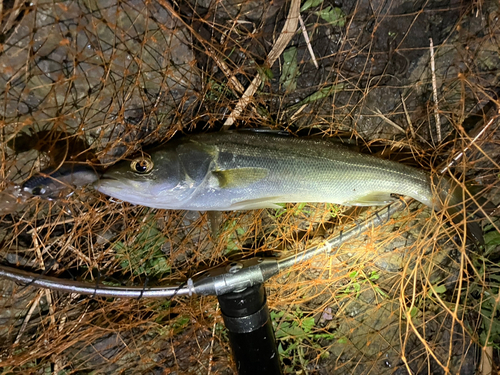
(94, 82)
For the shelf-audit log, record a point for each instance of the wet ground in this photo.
(94, 81)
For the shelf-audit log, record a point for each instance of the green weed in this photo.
(320, 94)
(235, 232)
(140, 252)
(357, 280)
(310, 4)
(334, 16)
(295, 332)
(290, 70)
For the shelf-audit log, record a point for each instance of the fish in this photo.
(50, 182)
(245, 170)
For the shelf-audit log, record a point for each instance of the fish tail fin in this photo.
(458, 202)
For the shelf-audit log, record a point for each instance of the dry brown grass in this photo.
(97, 81)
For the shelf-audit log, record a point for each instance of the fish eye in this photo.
(142, 165)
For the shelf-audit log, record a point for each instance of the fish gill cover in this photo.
(92, 82)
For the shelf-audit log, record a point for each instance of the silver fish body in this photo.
(240, 170)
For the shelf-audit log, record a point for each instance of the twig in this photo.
(38, 252)
(211, 51)
(390, 122)
(223, 66)
(46, 225)
(35, 303)
(14, 13)
(434, 92)
(486, 367)
(210, 358)
(461, 153)
(52, 311)
(286, 35)
(58, 366)
(294, 116)
(308, 42)
(408, 120)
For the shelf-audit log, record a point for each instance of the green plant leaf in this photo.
(277, 315)
(334, 16)
(381, 292)
(265, 74)
(280, 349)
(413, 312)
(491, 240)
(295, 328)
(438, 289)
(310, 4)
(290, 332)
(308, 324)
(342, 340)
(325, 336)
(140, 252)
(290, 69)
(357, 287)
(320, 94)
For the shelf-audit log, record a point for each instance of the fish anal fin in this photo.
(375, 198)
(239, 177)
(254, 204)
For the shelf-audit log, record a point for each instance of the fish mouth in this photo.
(106, 184)
(103, 178)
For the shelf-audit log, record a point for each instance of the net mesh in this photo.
(95, 81)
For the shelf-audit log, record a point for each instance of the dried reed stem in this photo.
(286, 35)
(408, 119)
(308, 42)
(34, 304)
(210, 358)
(434, 93)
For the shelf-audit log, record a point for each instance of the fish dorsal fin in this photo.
(263, 131)
(239, 177)
(375, 198)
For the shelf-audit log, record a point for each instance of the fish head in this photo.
(154, 180)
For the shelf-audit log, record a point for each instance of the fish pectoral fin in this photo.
(254, 204)
(239, 177)
(375, 198)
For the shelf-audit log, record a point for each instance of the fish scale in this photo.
(323, 171)
(239, 170)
